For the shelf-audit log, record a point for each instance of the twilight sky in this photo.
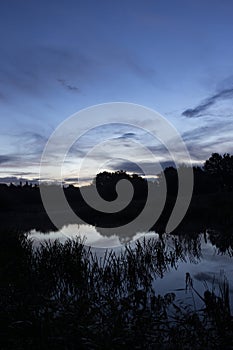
(57, 57)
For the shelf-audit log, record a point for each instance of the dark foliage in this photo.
(211, 202)
(64, 297)
(220, 168)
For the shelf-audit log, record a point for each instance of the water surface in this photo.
(206, 263)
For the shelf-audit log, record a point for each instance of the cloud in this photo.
(196, 133)
(215, 136)
(6, 159)
(140, 168)
(31, 143)
(129, 134)
(35, 70)
(200, 151)
(34, 136)
(77, 180)
(26, 149)
(203, 107)
(17, 180)
(126, 166)
(205, 131)
(126, 136)
(142, 71)
(64, 83)
(23, 173)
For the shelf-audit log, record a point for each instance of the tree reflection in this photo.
(191, 245)
(223, 240)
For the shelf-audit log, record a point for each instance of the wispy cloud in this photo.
(31, 144)
(35, 70)
(68, 86)
(205, 131)
(77, 180)
(203, 107)
(25, 150)
(142, 71)
(6, 159)
(141, 167)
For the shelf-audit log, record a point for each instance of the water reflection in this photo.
(203, 261)
(89, 234)
(222, 239)
(204, 253)
(192, 242)
(196, 254)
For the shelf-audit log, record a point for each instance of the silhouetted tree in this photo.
(170, 176)
(203, 182)
(106, 184)
(213, 165)
(221, 168)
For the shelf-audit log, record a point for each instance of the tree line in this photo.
(216, 175)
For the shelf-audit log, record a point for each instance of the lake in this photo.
(206, 257)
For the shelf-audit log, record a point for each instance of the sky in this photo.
(58, 57)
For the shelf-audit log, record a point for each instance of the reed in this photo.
(64, 296)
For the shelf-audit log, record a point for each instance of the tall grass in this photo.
(62, 296)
